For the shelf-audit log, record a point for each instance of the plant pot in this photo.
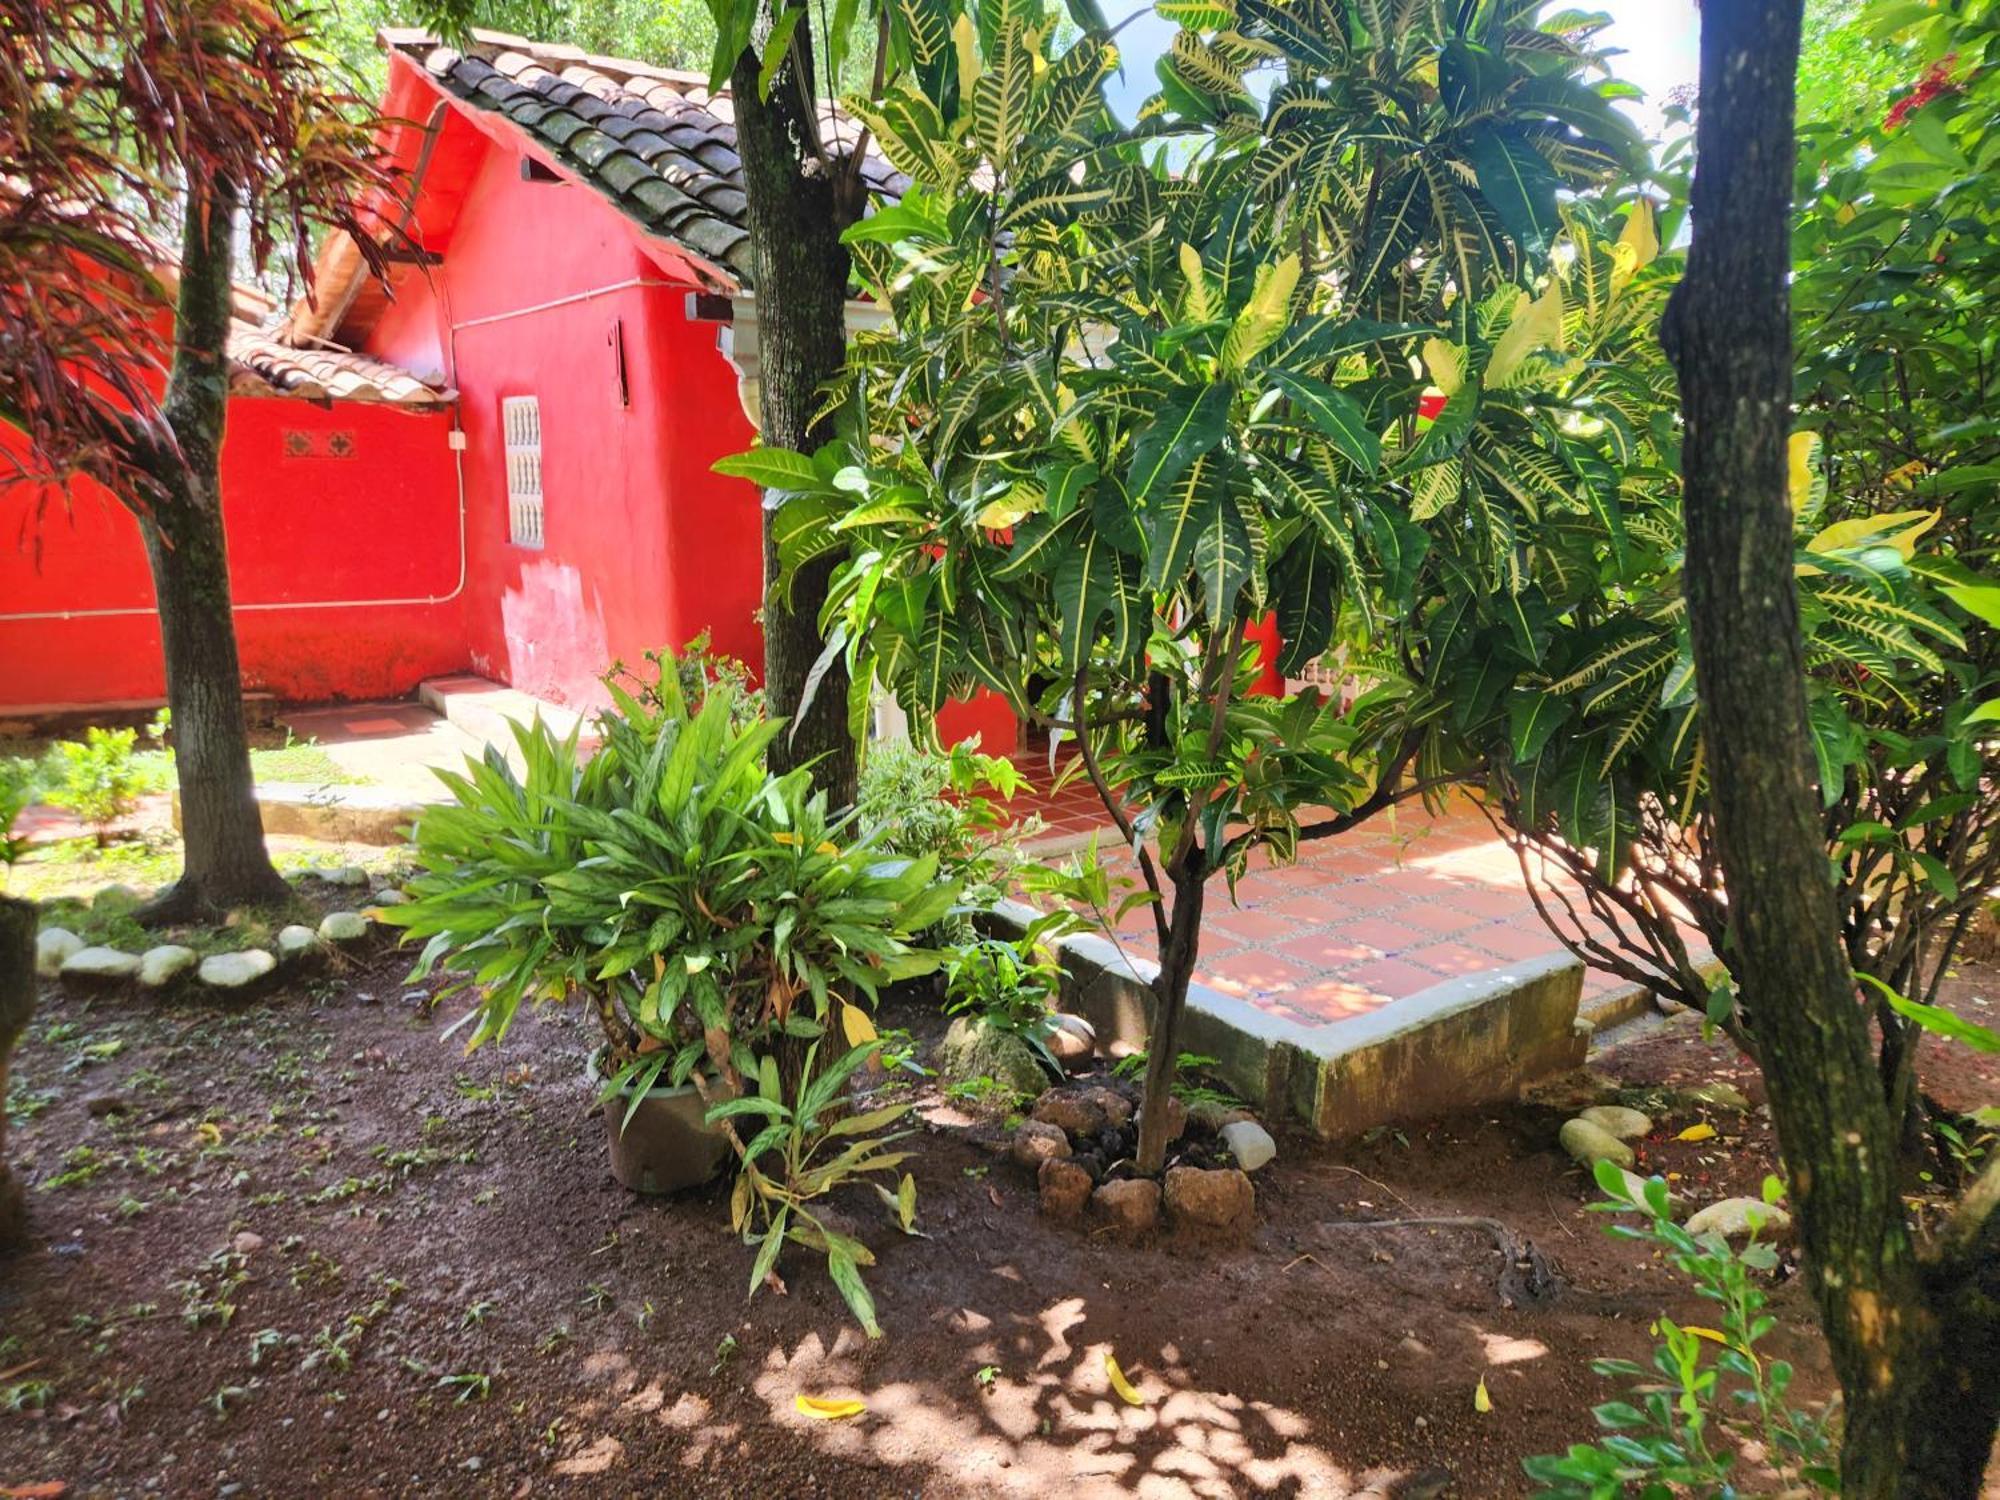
(667, 1145)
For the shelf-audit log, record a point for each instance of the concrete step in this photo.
(485, 710)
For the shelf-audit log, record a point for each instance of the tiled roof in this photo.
(655, 142)
(264, 366)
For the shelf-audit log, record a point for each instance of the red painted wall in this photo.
(305, 529)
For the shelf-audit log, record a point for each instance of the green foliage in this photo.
(714, 916)
(1125, 411)
(1012, 984)
(802, 1145)
(99, 782)
(915, 803)
(17, 793)
(1708, 1394)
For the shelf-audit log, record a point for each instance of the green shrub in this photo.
(1709, 1393)
(17, 793)
(915, 803)
(719, 922)
(100, 781)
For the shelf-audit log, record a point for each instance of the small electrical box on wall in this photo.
(455, 440)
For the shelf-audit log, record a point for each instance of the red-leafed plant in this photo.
(122, 122)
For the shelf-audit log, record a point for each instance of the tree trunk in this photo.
(222, 834)
(797, 210)
(1170, 989)
(1909, 1414)
(17, 1003)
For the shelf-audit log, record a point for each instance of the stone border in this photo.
(1475, 1040)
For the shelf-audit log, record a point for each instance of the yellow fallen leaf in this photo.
(1480, 1400)
(829, 1408)
(855, 1023)
(209, 1133)
(1127, 1392)
(1705, 1333)
(1697, 1133)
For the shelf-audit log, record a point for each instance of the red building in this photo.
(500, 461)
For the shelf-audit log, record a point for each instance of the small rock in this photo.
(391, 897)
(1617, 1120)
(247, 1242)
(1250, 1143)
(1070, 1112)
(1212, 1114)
(161, 966)
(1037, 1141)
(343, 927)
(1734, 1218)
(1219, 1199)
(97, 1106)
(100, 965)
(971, 1049)
(1073, 1040)
(233, 971)
(1130, 1205)
(342, 875)
(1572, 1091)
(1591, 1144)
(115, 898)
(1415, 1346)
(1066, 1188)
(54, 946)
(295, 942)
(1718, 1095)
(1117, 1108)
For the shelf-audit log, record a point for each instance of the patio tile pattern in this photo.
(1374, 916)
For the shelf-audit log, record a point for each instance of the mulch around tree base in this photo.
(307, 1247)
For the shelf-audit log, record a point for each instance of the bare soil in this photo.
(304, 1246)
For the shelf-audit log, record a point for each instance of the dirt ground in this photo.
(306, 1247)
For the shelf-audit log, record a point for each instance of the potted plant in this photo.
(724, 929)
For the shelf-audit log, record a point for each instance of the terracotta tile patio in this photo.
(1376, 915)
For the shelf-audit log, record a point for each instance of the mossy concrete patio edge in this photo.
(1474, 1040)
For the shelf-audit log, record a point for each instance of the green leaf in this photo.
(774, 469)
(1335, 414)
(777, 47)
(1192, 420)
(1521, 187)
(1936, 1019)
(840, 1264)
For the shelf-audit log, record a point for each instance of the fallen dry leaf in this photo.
(1480, 1400)
(1697, 1133)
(1127, 1392)
(829, 1408)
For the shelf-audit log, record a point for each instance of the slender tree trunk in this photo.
(224, 860)
(797, 210)
(17, 1003)
(1170, 990)
(1915, 1423)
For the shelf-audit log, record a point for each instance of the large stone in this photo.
(1591, 1144)
(971, 1049)
(1221, 1199)
(1130, 1205)
(161, 966)
(341, 875)
(100, 966)
(1212, 1114)
(391, 897)
(1073, 1113)
(235, 971)
(55, 946)
(1117, 1108)
(343, 927)
(1036, 1142)
(1736, 1218)
(1718, 1095)
(1065, 1188)
(296, 942)
(115, 898)
(1617, 1120)
(1250, 1143)
(1073, 1040)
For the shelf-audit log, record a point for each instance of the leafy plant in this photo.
(787, 1168)
(1012, 983)
(1708, 1394)
(1126, 412)
(914, 802)
(17, 794)
(717, 920)
(99, 781)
